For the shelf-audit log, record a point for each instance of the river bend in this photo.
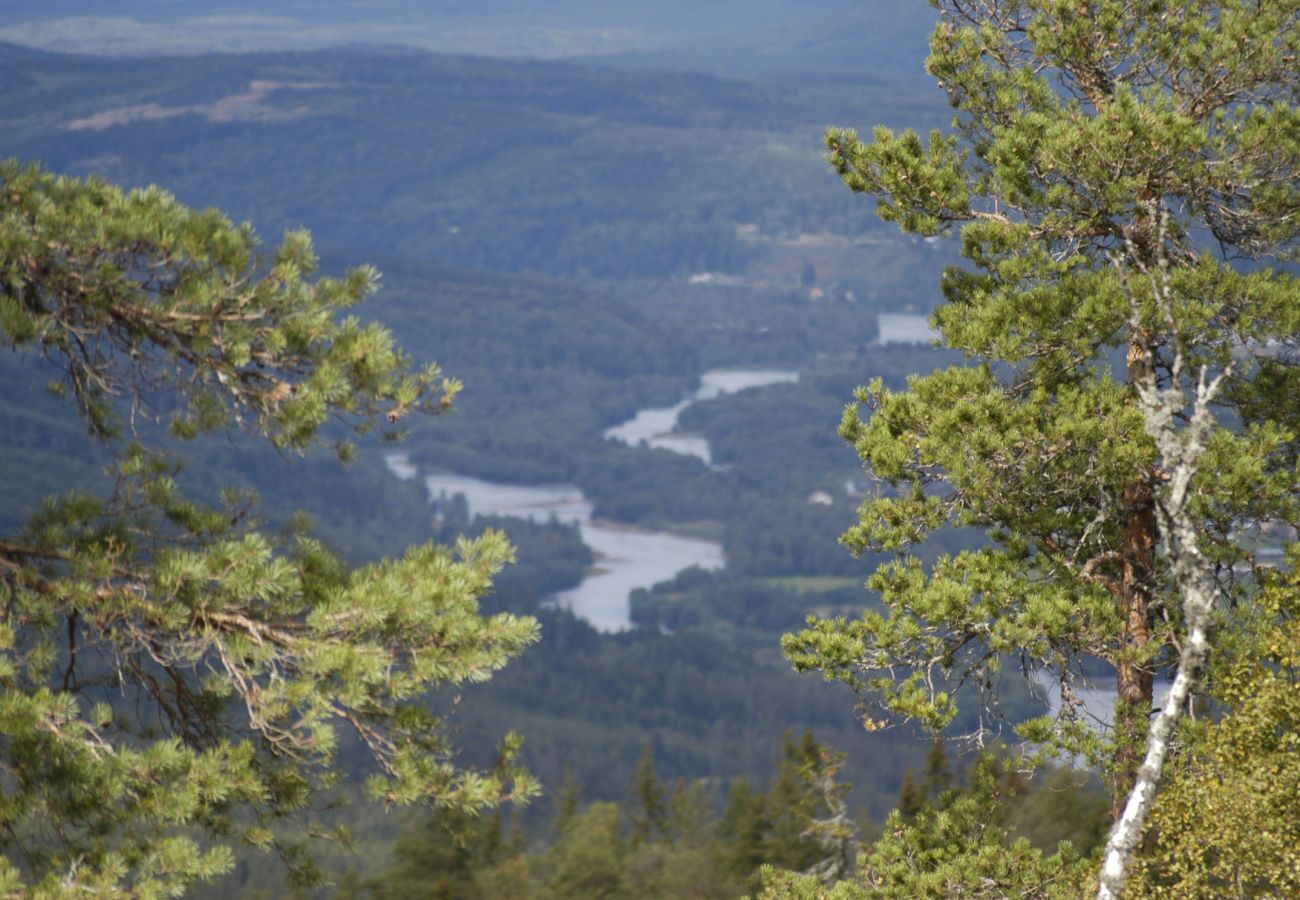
(626, 558)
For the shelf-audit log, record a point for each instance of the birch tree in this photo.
(1122, 175)
(1227, 816)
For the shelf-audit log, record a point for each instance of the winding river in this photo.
(626, 558)
(657, 427)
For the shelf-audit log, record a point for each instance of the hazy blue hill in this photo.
(491, 164)
(11, 53)
(869, 38)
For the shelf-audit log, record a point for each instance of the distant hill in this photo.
(868, 38)
(547, 167)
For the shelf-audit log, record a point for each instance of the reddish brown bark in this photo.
(1133, 676)
(1133, 671)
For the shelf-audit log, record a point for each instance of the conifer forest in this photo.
(738, 448)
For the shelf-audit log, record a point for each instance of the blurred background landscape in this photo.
(585, 211)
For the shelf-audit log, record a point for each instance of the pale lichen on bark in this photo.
(1179, 449)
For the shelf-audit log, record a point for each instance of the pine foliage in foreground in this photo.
(175, 681)
(1123, 179)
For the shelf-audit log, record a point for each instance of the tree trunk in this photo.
(1134, 683)
(1180, 448)
(1133, 680)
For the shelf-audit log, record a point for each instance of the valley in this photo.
(544, 231)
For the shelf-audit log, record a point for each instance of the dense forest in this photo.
(552, 350)
(963, 538)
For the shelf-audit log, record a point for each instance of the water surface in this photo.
(657, 427)
(626, 558)
(1098, 696)
(904, 328)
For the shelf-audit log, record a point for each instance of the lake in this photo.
(1097, 695)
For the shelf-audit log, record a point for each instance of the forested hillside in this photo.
(500, 165)
(219, 441)
(537, 227)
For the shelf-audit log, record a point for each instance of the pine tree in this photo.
(590, 858)
(650, 821)
(742, 831)
(911, 798)
(790, 806)
(1123, 176)
(829, 826)
(936, 778)
(174, 681)
(567, 801)
(441, 856)
(954, 849)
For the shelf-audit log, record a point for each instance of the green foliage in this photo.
(957, 845)
(590, 858)
(1097, 151)
(674, 848)
(441, 857)
(1060, 804)
(699, 599)
(806, 823)
(651, 819)
(174, 681)
(136, 291)
(1227, 823)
